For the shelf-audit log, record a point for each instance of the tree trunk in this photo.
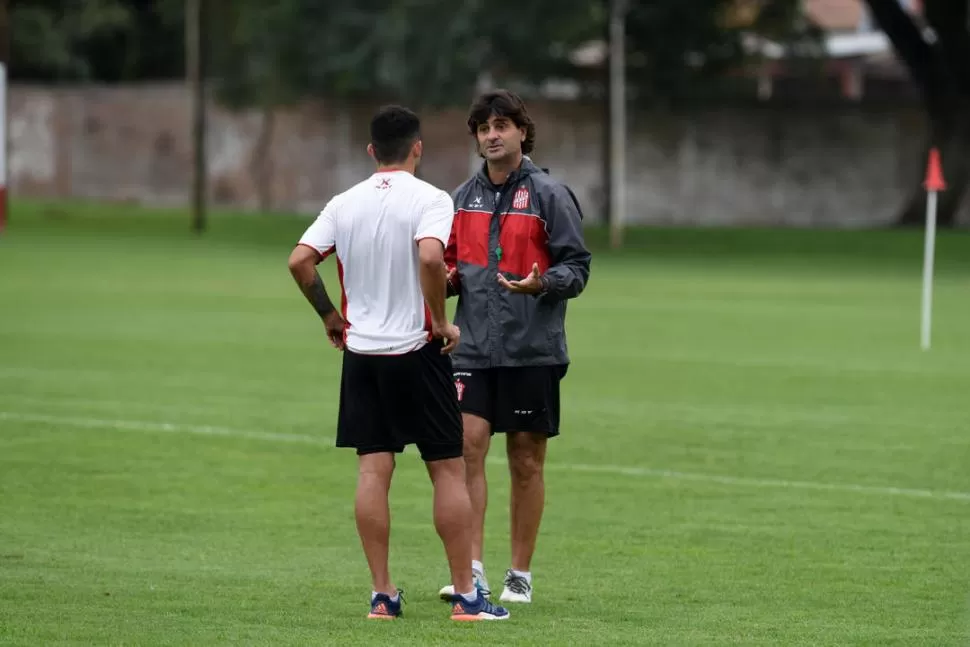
(262, 164)
(954, 143)
(940, 72)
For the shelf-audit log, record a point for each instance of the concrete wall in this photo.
(725, 166)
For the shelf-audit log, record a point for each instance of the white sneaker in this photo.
(478, 578)
(517, 588)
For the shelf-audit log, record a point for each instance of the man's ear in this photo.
(370, 151)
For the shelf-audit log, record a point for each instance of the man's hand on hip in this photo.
(447, 331)
(335, 324)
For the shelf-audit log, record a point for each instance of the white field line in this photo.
(735, 481)
(163, 427)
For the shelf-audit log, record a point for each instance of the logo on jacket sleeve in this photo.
(521, 199)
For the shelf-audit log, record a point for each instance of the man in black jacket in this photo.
(515, 257)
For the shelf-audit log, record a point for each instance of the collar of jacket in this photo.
(525, 169)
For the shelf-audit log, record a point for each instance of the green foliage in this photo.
(94, 40)
(50, 38)
(431, 52)
(423, 52)
(691, 49)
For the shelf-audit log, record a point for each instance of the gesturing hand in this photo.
(529, 285)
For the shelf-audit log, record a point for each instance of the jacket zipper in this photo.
(495, 331)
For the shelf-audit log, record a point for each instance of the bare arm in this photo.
(303, 267)
(434, 276)
(453, 287)
(433, 285)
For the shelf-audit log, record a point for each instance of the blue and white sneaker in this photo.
(481, 609)
(382, 607)
(478, 579)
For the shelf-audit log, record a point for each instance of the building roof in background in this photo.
(848, 32)
(835, 15)
(852, 43)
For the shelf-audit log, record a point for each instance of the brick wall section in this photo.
(724, 166)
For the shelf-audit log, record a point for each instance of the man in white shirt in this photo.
(388, 234)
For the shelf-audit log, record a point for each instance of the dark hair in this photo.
(502, 103)
(393, 131)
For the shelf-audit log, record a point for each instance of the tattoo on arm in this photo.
(316, 294)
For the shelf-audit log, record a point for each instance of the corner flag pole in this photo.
(934, 183)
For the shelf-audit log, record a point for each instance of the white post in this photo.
(617, 120)
(195, 63)
(928, 253)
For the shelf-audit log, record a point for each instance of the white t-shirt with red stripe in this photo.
(374, 229)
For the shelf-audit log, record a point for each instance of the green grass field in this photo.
(755, 451)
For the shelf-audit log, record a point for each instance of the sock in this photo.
(394, 598)
(471, 598)
(526, 574)
(478, 567)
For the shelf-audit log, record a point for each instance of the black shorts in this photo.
(390, 401)
(521, 398)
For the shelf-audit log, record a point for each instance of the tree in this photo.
(937, 61)
(422, 52)
(94, 40)
(425, 53)
(694, 50)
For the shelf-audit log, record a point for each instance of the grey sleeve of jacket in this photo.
(569, 259)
